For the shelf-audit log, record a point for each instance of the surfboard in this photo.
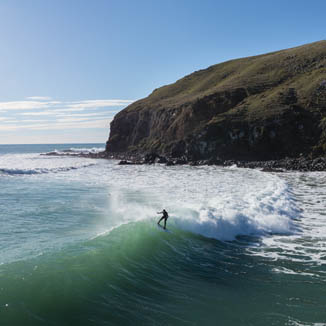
(162, 228)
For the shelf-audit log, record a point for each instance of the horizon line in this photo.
(48, 143)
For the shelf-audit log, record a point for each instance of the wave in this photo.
(129, 276)
(227, 222)
(108, 280)
(76, 151)
(88, 150)
(136, 274)
(268, 210)
(6, 171)
(210, 223)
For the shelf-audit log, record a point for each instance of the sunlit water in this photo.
(80, 246)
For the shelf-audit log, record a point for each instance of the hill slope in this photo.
(263, 107)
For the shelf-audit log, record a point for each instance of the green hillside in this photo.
(266, 106)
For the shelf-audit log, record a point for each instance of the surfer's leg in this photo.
(165, 223)
(160, 220)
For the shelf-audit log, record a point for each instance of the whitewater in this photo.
(80, 246)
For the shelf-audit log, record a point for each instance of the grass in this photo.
(235, 94)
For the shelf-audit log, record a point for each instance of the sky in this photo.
(67, 67)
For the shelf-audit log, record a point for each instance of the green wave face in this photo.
(140, 275)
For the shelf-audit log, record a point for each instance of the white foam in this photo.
(33, 164)
(285, 210)
(263, 206)
(87, 150)
(76, 150)
(283, 270)
(211, 201)
(308, 246)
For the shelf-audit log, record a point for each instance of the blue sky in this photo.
(66, 67)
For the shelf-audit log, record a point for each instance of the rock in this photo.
(267, 169)
(214, 161)
(150, 158)
(170, 163)
(50, 154)
(194, 163)
(180, 162)
(261, 108)
(161, 160)
(301, 163)
(124, 162)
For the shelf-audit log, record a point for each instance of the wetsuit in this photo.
(164, 217)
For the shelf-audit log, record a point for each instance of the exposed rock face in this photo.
(266, 107)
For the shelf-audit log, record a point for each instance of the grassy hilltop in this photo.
(261, 107)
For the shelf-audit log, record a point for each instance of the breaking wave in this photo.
(41, 170)
(35, 164)
(266, 206)
(76, 151)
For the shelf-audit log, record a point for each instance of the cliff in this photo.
(258, 108)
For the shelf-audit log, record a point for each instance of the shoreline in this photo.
(301, 163)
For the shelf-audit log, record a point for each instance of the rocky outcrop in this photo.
(266, 107)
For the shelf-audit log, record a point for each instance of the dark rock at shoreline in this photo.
(50, 154)
(179, 161)
(125, 162)
(287, 164)
(293, 164)
(162, 160)
(152, 158)
(271, 170)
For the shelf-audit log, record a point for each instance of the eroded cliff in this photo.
(264, 107)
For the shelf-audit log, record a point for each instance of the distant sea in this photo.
(79, 244)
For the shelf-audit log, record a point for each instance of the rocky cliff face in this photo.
(264, 107)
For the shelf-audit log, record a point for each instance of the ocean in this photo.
(79, 244)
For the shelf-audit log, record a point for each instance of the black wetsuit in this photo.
(164, 217)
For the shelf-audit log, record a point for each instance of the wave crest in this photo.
(14, 171)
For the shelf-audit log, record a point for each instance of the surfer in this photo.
(165, 217)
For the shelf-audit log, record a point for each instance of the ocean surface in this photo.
(79, 244)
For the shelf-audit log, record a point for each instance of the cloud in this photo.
(30, 121)
(59, 125)
(53, 111)
(97, 114)
(69, 110)
(40, 113)
(75, 119)
(69, 113)
(39, 98)
(25, 105)
(35, 104)
(45, 116)
(99, 103)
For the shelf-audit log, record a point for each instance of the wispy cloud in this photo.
(68, 112)
(97, 114)
(39, 98)
(60, 125)
(98, 103)
(58, 105)
(26, 105)
(43, 114)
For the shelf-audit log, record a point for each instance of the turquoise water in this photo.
(80, 246)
